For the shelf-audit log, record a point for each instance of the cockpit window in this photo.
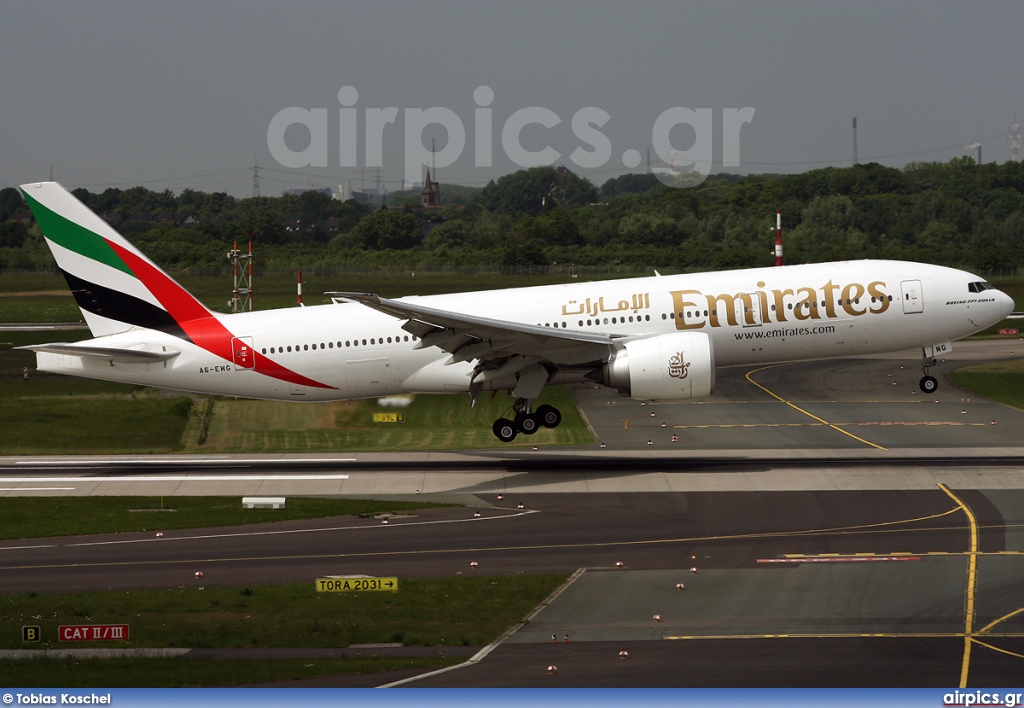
(979, 286)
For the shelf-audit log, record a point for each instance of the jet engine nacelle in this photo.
(668, 367)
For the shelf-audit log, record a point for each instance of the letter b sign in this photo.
(30, 634)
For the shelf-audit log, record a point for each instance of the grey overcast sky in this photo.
(181, 94)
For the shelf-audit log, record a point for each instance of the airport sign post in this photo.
(92, 632)
(388, 417)
(356, 584)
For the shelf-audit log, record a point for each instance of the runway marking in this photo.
(37, 489)
(183, 478)
(849, 635)
(972, 580)
(285, 532)
(736, 401)
(796, 557)
(840, 530)
(841, 559)
(809, 415)
(173, 462)
(1005, 617)
(994, 648)
(751, 425)
(834, 425)
(953, 424)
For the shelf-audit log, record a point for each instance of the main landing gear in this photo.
(928, 383)
(526, 420)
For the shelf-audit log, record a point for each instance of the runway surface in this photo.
(845, 532)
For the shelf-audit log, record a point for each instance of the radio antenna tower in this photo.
(241, 272)
(1015, 140)
(255, 177)
(433, 165)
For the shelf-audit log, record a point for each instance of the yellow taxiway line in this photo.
(806, 413)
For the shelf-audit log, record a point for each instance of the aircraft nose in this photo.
(1005, 304)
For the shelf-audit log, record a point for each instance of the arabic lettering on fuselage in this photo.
(695, 309)
(592, 307)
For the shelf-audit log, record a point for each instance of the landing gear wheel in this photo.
(504, 429)
(549, 416)
(928, 384)
(527, 423)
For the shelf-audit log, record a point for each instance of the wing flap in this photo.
(451, 331)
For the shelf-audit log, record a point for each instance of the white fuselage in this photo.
(753, 316)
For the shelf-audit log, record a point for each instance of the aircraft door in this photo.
(913, 298)
(242, 354)
(748, 309)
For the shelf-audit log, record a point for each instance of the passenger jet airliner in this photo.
(653, 338)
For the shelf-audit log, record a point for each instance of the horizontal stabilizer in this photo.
(123, 356)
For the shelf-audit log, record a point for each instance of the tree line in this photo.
(956, 213)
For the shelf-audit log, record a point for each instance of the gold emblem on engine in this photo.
(677, 367)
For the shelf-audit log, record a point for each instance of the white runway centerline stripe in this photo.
(288, 532)
(199, 477)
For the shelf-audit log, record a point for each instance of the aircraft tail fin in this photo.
(115, 285)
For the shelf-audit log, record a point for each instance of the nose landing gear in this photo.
(928, 383)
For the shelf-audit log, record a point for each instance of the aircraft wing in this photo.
(122, 356)
(491, 342)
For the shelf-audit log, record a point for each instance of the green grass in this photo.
(43, 386)
(16, 282)
(432, 422)
(185, 672)
(39, 308)
(466, 610)
(1001, 381)
(92, 424)
(43, 517)
(436, 612)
